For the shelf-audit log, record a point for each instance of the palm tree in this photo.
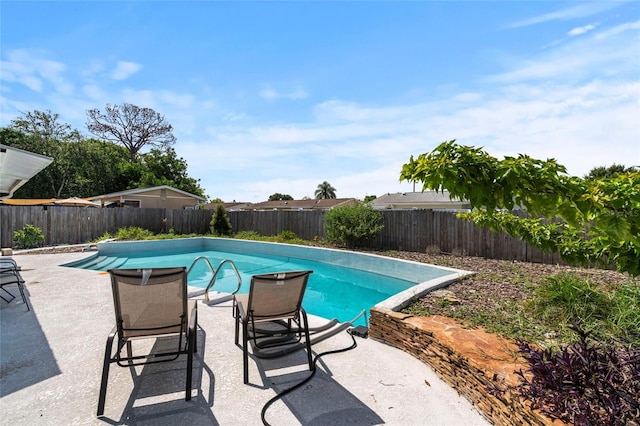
(325, 191)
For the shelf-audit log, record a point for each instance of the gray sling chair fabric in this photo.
(274, 298)
(9, 276)
(150, 303)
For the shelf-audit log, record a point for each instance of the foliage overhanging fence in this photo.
(407, 230)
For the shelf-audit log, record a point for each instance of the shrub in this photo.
(28, 237)
(583, 384)
(220, 224)
(133, 233)
(248, 235)
(353, 225)
(105, 236)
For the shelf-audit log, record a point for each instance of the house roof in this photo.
(323, 204)
(114, 196)
(228, 206)
(422, 200)
(17, 167)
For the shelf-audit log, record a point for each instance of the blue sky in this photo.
(269, 97)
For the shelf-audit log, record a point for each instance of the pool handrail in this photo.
(215, 273)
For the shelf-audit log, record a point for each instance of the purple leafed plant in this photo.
(584, 383)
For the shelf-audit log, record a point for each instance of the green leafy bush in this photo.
(220, 224)
(353, 225)
(134, 233)
(28, 237)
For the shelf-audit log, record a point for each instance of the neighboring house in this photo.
(324, 204)
(312, 204)
(156, 197)
(434, 200)
(234, 206)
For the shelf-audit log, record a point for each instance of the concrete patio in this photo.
(51, 362)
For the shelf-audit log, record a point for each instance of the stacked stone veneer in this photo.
(470, 360)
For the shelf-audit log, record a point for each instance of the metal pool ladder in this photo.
(215, 273)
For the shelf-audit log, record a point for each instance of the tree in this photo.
(585, 220)
(280, 197)
(607, 172)
(131, 126)
(220, 224)
(325, 191)
(166, 168)
(369, 198)
(45, 125)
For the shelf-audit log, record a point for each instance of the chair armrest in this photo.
(193, 314)
(239, 302)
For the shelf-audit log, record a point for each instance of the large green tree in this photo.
(585, 220)
(325, 191)
(160, 167)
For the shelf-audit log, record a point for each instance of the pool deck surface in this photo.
(51, 362)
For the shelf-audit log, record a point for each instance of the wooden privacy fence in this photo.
(405, 230)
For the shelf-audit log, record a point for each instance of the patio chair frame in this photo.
(250, 310)
(10, 275)
(183, 327)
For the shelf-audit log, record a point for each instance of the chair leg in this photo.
(105, 372)
(307, 338)
(191, 343)
(24, 299)
(195, 334)
(245, 354)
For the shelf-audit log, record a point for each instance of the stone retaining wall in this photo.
(471, 361)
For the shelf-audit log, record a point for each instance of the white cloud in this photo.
(581, 10)
(582, 30)
(270, 93)
(605, 52)
(26, 67)
(94, 91)
(141, 98)
(628, 26)
(124, 70)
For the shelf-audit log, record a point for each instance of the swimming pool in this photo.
(342, 285)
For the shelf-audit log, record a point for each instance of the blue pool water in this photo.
(333, 291)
